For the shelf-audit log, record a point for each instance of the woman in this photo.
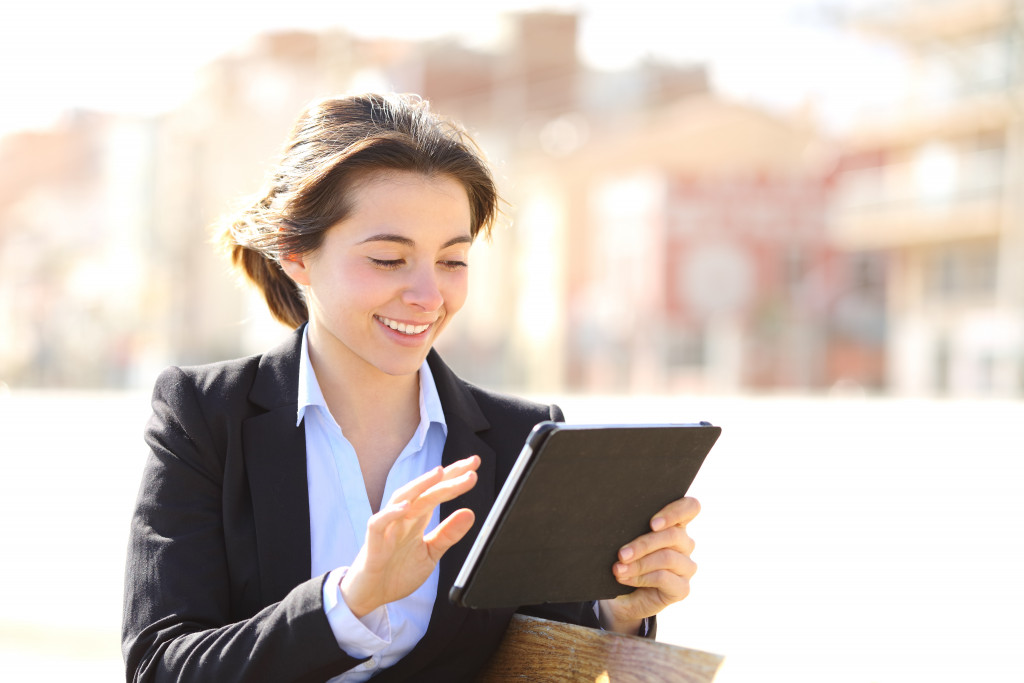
(304, 512)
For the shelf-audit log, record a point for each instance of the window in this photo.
(958, 272)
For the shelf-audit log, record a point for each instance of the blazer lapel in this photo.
(275, 458)
(462, 442)
(464, 420)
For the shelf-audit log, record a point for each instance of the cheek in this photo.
(456, 291)
(349, 287)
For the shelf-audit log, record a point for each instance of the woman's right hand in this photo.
(397, 557)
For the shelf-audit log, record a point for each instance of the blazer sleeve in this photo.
(178, 623)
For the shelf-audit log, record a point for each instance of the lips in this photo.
(403, 328)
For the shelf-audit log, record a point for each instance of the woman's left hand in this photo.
(658, 564)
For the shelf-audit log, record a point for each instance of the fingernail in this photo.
(620, 568)
(658, 523)
(626, 554)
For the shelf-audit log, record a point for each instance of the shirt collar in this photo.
(309, 388)
(311, 395)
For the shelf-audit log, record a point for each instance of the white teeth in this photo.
(402, 327)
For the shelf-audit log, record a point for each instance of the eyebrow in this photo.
(406, 241)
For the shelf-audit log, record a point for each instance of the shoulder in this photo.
(214, 381)
(501, 407)
(266, 377)
(198, 411)
(197, 405)
(205, 394)
(483, 409)
(510, 418)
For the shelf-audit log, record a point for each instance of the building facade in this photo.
(697, 258)
(934, 185)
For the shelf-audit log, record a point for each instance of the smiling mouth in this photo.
(402, 327)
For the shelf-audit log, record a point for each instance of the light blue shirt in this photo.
(339, 510)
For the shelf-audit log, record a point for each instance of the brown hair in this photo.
(335, 143)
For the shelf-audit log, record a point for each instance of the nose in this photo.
(423, 290)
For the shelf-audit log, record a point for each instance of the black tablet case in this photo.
(586, 492)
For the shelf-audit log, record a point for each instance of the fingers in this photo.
(449, 532)
(647, 571)
(662, 586)
(381, 521)
(658, 563)
(669, 531)
(421, 484)
(460, 466)
(677, 513)
(674, 538)
(661, 579)
(397, 556)
(409, 509)
(440, 493)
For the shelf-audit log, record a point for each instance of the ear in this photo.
(296, 268)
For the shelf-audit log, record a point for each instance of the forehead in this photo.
(409, 204)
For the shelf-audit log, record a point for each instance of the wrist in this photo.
(609, 621)
(359, 604)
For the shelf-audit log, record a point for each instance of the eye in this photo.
(386, 264)
(454, 264)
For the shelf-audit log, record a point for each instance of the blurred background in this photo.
(801, 220)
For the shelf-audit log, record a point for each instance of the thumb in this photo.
(449, 532)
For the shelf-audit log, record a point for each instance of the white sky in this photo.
(140, 55)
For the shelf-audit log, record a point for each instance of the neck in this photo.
(361, 397)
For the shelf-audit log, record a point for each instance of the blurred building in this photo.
(73, 229)
(935, 186)
(696, 258)
(655, 238)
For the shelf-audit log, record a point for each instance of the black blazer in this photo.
(217, 582)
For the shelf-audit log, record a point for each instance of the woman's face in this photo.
(387, 279)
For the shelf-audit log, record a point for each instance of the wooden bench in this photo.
(541, 650)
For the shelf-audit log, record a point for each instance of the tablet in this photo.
(576, 494)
